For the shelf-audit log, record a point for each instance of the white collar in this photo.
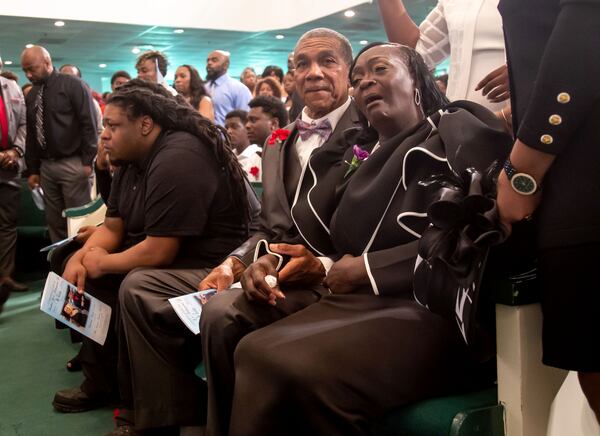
(333, 116)
(250, 150)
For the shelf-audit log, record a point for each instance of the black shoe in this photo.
(74, 364)
(124, 430)
(14, 286)
(75, 400)
(4, 294)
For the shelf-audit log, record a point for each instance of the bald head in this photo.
(217, 64)
(36, 64)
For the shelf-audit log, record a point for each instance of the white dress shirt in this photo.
(249, 159)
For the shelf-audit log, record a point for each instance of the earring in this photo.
(417, 97)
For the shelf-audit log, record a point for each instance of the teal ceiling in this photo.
(89, 44)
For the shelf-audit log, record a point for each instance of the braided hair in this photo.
(139, 97)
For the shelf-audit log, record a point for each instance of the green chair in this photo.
(258, 188)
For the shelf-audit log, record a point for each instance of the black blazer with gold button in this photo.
(552, 49)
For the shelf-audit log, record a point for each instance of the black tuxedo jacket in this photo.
(301, 216)
(552, 49)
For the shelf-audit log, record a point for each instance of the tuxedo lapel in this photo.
(315, 201)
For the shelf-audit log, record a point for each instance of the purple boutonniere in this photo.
(359, 156)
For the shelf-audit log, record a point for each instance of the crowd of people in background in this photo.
(316, 327)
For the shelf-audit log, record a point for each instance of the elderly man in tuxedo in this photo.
(12, 149)
(302, 164)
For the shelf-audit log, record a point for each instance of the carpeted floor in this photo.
(33, 355)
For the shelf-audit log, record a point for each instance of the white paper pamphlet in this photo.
(189, 308)
(84, 313)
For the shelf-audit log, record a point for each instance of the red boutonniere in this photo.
(278, 135)
(254, 171)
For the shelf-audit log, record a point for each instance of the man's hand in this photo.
(75, 273)
(495, 85)
(92, 261)
(223, 276)
(512, 206)
(87, 170)
(102, 162)
(254, 284)
(33, 181)
(303, 267)
(347, 274)
(9, 160)
(84, 233)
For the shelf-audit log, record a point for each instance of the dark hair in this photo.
(272, 106)
(238, 113)
(323, 32)
(120, 73)
(442, 78)
(139, 97)
(160, 57)
(432, 98)
(247, 68)
(10, 75)
(72, 66)
(197, 89)
(267, 72)
(271, 83)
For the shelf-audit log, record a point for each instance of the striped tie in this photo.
(39, 118)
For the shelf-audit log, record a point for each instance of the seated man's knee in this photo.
(218, 311)
(132, 285)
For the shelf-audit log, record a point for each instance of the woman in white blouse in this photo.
(467, 31)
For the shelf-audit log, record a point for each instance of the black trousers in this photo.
(159, 356)
(226, 319)
(9, 212)
(329, 368)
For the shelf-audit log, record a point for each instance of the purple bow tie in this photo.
(322, 128)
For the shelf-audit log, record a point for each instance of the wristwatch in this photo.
(522, 183)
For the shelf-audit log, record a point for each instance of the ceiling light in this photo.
(8, 63)
(59, 23)
(280, 36)
(178, 31)
(135, 50)
(349, 13)
(28, 45)
(102, 65)
(363, 42)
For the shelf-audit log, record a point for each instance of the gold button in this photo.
(563, 97)
(555, 119)
(547, 139)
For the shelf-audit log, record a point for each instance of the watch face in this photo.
(523, 184)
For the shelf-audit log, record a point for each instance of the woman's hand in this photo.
(512, 206)
(495, 85)
(347, 274)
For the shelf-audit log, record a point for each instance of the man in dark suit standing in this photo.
(62, 137)
(301, 167)
(12, 148)
(554, 170)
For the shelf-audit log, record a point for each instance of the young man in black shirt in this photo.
(61, 137)
(178, 199)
